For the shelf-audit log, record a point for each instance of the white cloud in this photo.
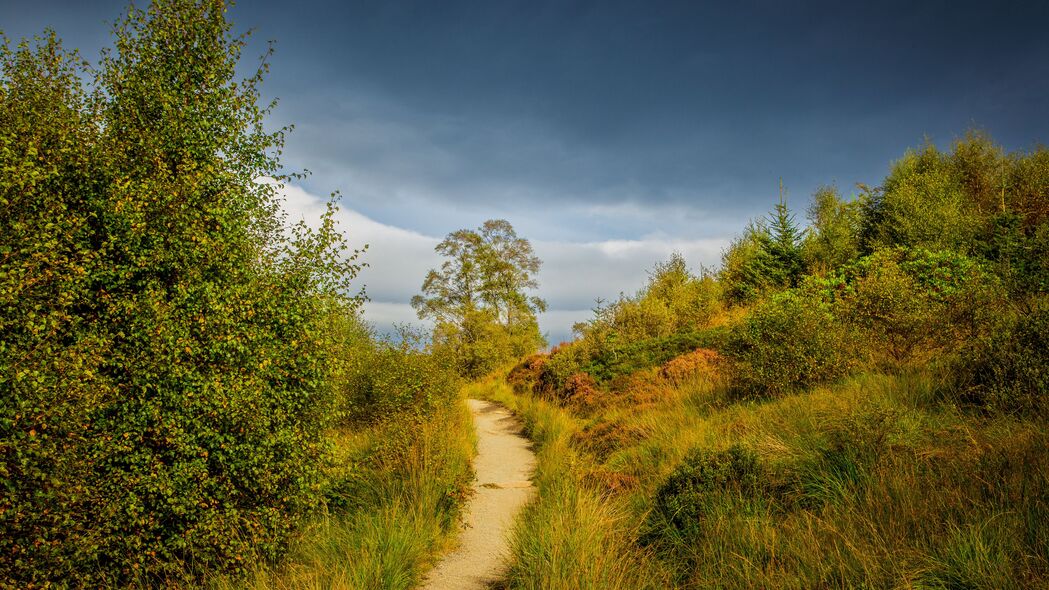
(556, 324)
(397, 258)
(386, 314)
(575, 274)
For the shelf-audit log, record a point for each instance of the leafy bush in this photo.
(1008, 370)
(390, 380)
(525, 376)
(563, 362)
(833, 239)
(923, 203)
(581, 389)
(911, 302)
(556, 376)
(163, 376)
(1018, 253)
(684, 367)
(792, 341)
(681, 503)
(673, 301)
(653, 352)
(691, 300)
(604, 438)
(480, 344)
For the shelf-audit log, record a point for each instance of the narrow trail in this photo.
(504, 466)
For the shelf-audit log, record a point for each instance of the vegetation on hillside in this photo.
(859, 403)
(189, 396)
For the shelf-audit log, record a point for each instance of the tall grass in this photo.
(571, 537)
(875, 481)
(404, 486)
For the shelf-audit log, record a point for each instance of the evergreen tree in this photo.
(785, 244)
(747, 267)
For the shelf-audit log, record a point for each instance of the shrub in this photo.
(673, 301)
(525, 376)
(392, 380)
(479, 343)
(1009, 369)
(640, 388)
(604, 438)
(1018, 253)
(682, 502)
(923, 203)
(702, 361)
(909, 303)
(651, 353)
(580, 389)
(833, 239)
(163, 377)
(791, 341)
(562, 364)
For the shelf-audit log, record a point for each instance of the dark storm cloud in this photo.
(610, 133)
(502, 104)
(675, 101)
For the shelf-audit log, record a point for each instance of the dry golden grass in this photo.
(875, 482)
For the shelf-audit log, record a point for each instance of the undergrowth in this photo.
(572, 537)
(879, 480)
(397, 500)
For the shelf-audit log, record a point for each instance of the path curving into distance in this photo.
(504, 467)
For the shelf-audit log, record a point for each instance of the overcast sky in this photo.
(609, 133)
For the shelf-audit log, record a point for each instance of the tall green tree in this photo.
(454, 290)
(479, 297)
(834, 236)
(163, 379)
(747, 267)
(766, 256)
(509, 267)
(922, 203)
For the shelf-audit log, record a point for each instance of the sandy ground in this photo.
(504, 466)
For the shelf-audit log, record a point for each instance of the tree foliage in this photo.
(785, 244)
(766, 257)
(163, 379)
(479, 299)
(747, 267)
(790, 341)
(834, 235)
(1007, 369)
(673, 300)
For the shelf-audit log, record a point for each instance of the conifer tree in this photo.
(785, 244)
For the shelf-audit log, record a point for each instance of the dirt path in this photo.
(504, 466)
